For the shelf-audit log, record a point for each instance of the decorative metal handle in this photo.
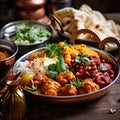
(113, 40)
(56, 23)
(78, 32)
(101, 43)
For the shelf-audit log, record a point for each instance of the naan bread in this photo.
(86, 18)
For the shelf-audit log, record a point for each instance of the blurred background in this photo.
(39, 10)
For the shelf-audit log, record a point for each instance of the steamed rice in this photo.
(34, 66)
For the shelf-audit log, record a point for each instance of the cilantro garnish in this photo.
(33, 88)
(55, 69)
(53, 49)
(102, 67)
(77, 83)
(81, 58)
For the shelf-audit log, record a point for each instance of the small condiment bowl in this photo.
(11, 28)
(11, 49)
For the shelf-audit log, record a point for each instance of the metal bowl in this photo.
(7, 63)
(77, 98)
(11, 28)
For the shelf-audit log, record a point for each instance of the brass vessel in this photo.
(14, 104)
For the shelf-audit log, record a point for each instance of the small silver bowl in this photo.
(10, 29)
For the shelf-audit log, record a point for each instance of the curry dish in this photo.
(4, 54)
(65, 70)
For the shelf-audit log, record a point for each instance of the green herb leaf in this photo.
(55, 69)
(79, 58)
(30, 89)
(61, 66)
(86, 60)
(77, 83)
(34, 87)
(53, 74)
(102, 67)
(53, 50)
(52, 67)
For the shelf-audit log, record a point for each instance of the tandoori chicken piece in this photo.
(65, 77)
(88, 86)
(68, 90)
(50, 87)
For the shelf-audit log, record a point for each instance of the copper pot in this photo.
(29, 4)
(30, 14)
(45, 19)
(7, 63)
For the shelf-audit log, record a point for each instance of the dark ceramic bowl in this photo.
(11, 28)
(7, 63)
(77, 98)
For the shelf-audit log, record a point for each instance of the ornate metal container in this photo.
(14, 104)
